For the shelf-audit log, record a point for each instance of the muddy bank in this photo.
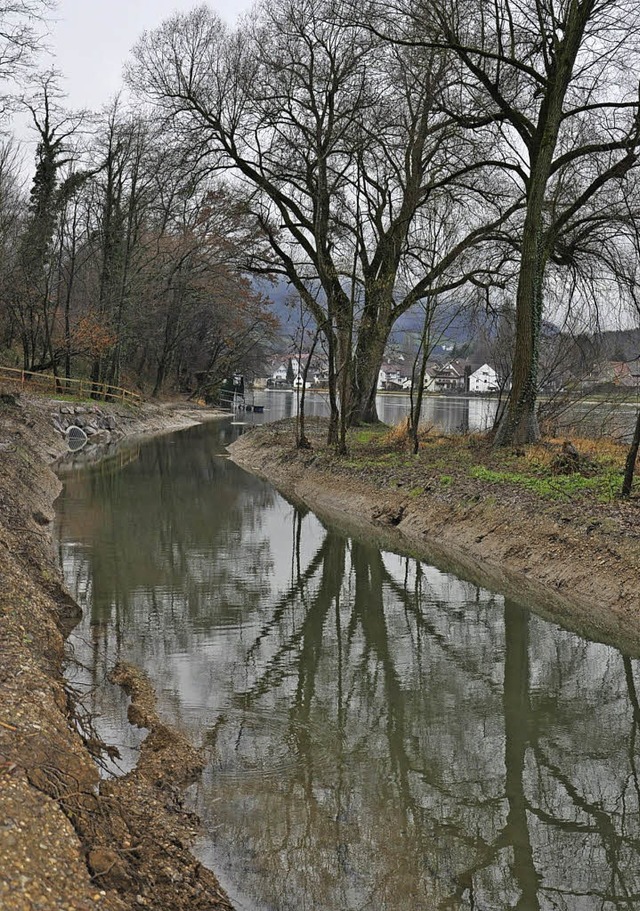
(580, 570)
(68, 840)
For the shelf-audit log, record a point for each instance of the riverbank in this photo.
(68, 840)
(563, 544)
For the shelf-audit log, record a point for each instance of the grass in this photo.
(457, 460)
(364, 435)
(605, 486)
(67, 397)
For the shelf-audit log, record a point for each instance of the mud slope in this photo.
(68, 841)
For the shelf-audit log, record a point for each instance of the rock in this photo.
(107, 867)
(40, 518)
(390, 516)
(101, 436)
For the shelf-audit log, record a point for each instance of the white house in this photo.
(430, 374)
(449, 378)
(390, 376)
(484, 379)
(281, 368)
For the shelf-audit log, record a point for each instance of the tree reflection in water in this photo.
(382, 734)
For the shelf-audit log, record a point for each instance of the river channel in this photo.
(458, 413)
(381, 735)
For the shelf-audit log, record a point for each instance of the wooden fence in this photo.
(84, 389)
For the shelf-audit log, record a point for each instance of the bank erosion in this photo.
(543, 523)
(69, 841)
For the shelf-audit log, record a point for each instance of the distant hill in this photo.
(285, 307)
(457, 332)
(283, 303)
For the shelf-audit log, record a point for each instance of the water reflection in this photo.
(459, 414)
(382, 735)
(450, 413)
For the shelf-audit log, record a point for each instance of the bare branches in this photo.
(22, 31)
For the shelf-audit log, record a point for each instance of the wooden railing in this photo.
(85, 388)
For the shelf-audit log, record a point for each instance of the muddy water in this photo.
(381, 735)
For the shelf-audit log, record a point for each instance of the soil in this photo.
(575, 559)
(69, 840)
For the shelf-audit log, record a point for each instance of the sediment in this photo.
(69, 840)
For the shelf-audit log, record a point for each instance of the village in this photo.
(458, 376)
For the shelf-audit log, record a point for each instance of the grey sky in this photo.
(92, 39)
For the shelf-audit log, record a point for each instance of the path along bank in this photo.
(572, 558)
(68, 840)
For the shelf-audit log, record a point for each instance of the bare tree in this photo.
(339, 146)
(12, 205)
(555, 80)
(22, 32)
(33, 300)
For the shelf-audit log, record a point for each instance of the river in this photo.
(458, 413)
(381, 735)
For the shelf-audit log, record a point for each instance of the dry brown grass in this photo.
(397, 436)
(604, 451)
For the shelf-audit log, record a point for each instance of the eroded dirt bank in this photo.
(567, 564)
(68, 841)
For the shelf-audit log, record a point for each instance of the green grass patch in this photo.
(605, 486)
(362, 436)
(69, 397)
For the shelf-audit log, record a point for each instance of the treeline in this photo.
(379, 155)
(116, 262)
(393, 153)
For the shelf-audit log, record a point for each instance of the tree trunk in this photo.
(421, 357)
(519, 423)
(373, 336)
(160, 374)
(364, 383)
(334, 413)
(301, 438)
(632, 455)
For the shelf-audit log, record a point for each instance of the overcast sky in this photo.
(92, 39)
